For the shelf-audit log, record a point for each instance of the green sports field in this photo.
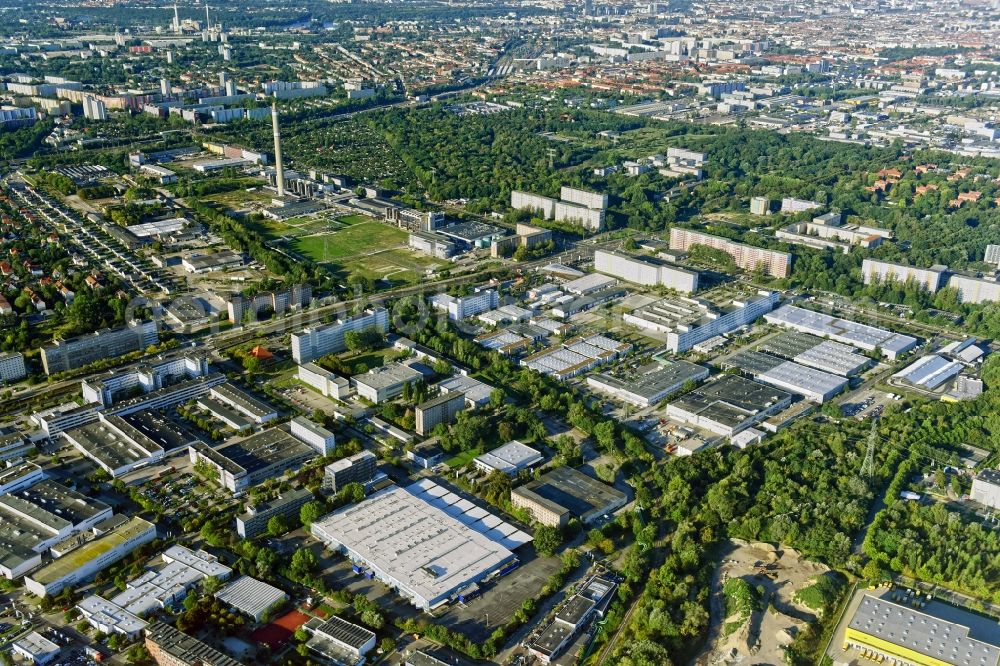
(367, 248)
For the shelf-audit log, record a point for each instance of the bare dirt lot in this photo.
(762, 637)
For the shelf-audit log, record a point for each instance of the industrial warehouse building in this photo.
(114, 444)
(815, 352)
(649, 384)
(862, 336)
(728, 405)
(932, 636)
(689, 321)
(646, 272)
(337, 641)
(928, 372)
(576, 356)
(812, 384)
(422, 541)
(252, 597)
(566, 493)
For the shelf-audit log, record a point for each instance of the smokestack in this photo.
(177, 21)
(280, 170)
(208, 21)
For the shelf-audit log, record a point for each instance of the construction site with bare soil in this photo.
(763, 596)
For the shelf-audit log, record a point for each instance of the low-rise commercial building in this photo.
(339, 642)
(385, 382)
(576, 356)
(256, 410)
(812, 384)
(86, 560)
(36, 648)
(207, 263)
(566, 493)
(509, 459)
(254, 598)
(463, 307)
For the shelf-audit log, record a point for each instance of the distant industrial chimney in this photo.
(177, 21)
(280, 170)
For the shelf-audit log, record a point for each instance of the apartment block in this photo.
(312, 343)
(63, 355)
(747, 257)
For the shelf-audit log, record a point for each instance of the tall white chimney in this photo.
(280, 170)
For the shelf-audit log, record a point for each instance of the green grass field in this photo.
(348, 220)
(462, 459)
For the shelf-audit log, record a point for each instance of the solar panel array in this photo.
(470, 515)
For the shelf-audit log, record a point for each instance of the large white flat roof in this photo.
(860, 335)
(425, 551)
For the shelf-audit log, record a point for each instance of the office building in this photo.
(55, 420)
(312, 343)
(406, 539)
(251, 597)
(253, 523)
(385, 382)
(812, 384)
(313, 434)
(114, 444)
(338, 641)
(170, 647)
(687, 322)
(868, 338)
(728, 405)
(746, 257)
(646, 272)
(324, 381)
(63, 355)
(975, 290)
(571, 618)
(12, 367)
(94, 108)
(441, 409)
(84, 561)
(360, 468)
(475, 392)
(463, 307)
(145, 377)
(256, 410)
(566, 493)
(250, 461)
(509, 458)
(886, 271)
(986, 488)
(934, 635)
(649, 384)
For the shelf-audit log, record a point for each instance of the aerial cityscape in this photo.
(528, 332)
